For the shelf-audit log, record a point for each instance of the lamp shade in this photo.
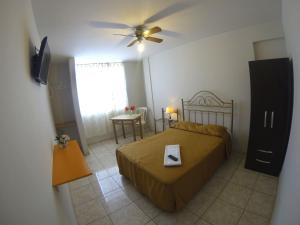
(170, 109)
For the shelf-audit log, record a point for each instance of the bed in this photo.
(204, 145)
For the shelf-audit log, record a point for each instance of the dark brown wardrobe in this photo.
(271, 114)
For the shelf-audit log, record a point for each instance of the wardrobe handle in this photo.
(265, 121)
(262, 161)
(264, 151)
(272, 119)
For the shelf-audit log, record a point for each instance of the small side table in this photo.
(133, 119)
(68, 164)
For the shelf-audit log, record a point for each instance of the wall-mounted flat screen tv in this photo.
(40, 63)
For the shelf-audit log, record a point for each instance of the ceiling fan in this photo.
(141, 33)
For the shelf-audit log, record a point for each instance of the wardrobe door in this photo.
(259, 156)
(259, 103)
(279, 122)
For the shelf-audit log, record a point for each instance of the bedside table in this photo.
(172, 122)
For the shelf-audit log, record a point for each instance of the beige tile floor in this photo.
(233, 196)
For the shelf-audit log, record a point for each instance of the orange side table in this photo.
(68, 164)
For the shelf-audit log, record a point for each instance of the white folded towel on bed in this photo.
(173, 150)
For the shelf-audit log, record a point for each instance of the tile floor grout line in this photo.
(156, 216)
(127, 206)
(82, 203)
(244, 209)
(198, 217)
(97, 196)
(252, 191)
(96, 219)
(216, 197)
(153, 221)
(143, 210)
(270, 195)
(120, 208)
(112, 222)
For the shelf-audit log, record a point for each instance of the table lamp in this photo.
(170, 110)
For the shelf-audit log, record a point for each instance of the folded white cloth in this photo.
(173, 150)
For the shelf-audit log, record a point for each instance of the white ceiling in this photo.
(67, 23)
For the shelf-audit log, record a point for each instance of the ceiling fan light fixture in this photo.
(146, 32)
(140, 47)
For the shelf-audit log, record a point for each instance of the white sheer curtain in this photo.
(102, 94)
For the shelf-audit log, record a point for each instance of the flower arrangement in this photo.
(131, 108)
(62, 140)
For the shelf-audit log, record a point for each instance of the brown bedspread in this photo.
(170, 188)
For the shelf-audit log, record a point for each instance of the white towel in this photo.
(173, 150)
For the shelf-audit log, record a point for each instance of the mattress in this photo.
(170, 188)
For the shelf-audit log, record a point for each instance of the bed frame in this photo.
(205, 107)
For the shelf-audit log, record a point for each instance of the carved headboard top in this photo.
(207, 99)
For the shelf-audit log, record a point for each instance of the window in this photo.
(101, 89)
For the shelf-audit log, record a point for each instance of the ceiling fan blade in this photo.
(172, 9)
(103, 24)
(153, 30)
(154, 39)
(123, 41)
(132, 43)
(125, 35)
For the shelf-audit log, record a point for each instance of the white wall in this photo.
(148, 92)
(61, 101)
(60, 92)
(270, 49)
(219, 64)
(135, 83)
(26, 129)
(287, 205)
(75, 101)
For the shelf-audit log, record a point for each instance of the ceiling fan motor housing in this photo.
(139, 32)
